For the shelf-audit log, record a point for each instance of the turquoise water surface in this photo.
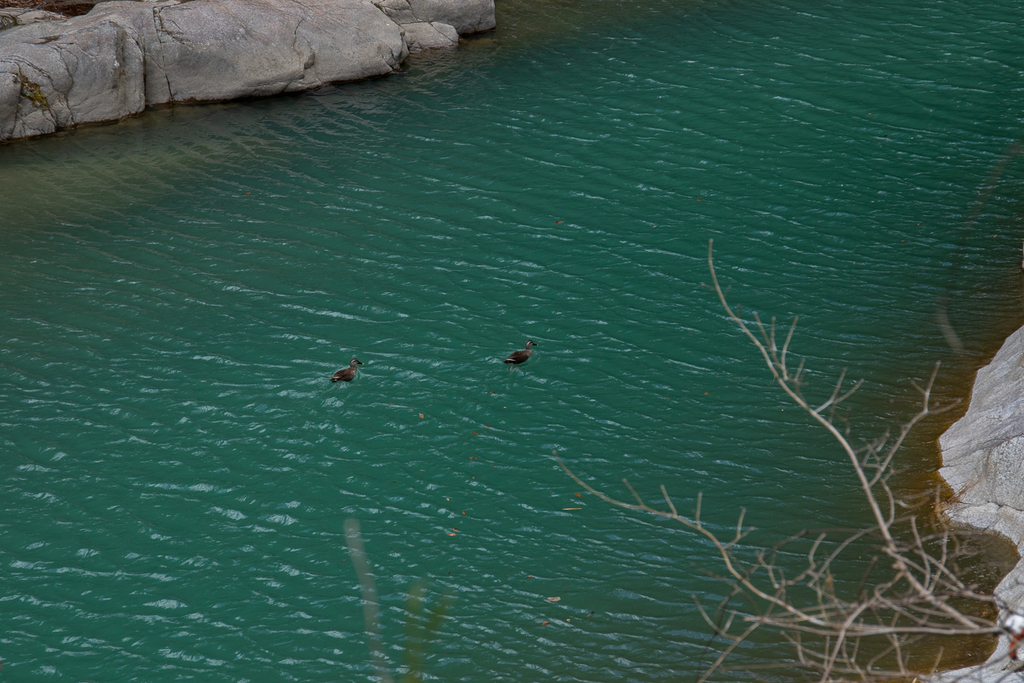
(176, 291)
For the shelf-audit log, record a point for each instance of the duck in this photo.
(518, 357)
(347, 374)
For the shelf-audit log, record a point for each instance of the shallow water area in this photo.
(177, 290)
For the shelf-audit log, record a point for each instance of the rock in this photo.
(983, 462)
(22, 16)
(52, 80)
(983, 451)
(466, 16)
(425, 35)
(226, 49)
(124, 55)
(398, 11)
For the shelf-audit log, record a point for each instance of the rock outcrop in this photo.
(126, 55)
(19, 16)
(983, 462)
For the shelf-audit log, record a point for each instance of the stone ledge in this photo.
(124, 56)
(983, 462)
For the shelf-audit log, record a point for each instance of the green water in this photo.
(177, 290)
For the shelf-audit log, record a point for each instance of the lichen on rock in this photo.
(33, 92)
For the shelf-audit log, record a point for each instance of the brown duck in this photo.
(346, 374)
(518, 357)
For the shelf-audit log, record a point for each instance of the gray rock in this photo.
(425, 35)
(982, 453)
(59, 74)
(399, 11)
(124, 55)
(466, 16)
(226, 49)
(22, 16)
(983, 462)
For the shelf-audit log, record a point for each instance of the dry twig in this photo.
(911, 590)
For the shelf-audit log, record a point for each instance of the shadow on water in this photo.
(988, 557)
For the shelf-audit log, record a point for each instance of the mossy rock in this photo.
(34, 93)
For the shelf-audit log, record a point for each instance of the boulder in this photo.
(124, 55)
(21, 16)
(426, 35)
(226, 49)
(983, 451)
(982, 458)
(58, 74)
(466, 16)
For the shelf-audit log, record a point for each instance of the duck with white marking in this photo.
(522, 355)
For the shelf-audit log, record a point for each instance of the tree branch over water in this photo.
(912, 603)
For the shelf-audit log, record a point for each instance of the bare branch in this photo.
(909, 590)
(785, 347)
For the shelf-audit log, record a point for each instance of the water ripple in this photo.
(178, 464)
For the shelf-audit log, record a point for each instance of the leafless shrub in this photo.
(912, 602)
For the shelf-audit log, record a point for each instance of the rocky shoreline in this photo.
(126, 55)
(982, 458)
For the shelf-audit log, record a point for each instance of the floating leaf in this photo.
(553, 599)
